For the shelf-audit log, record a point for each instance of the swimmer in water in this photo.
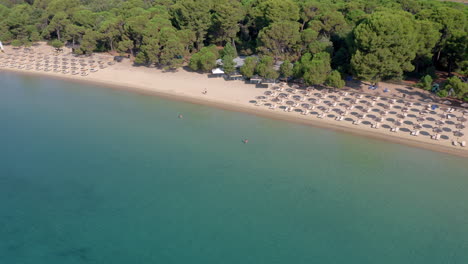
(181, 116)
(245, 141)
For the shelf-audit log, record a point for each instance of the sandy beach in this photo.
(386, 116)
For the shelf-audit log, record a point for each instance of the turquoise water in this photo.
(95, 175)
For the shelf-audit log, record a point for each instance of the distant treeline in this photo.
(320, 40)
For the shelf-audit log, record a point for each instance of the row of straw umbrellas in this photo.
(397, 115)
(64, 63)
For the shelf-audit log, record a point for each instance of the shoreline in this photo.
(257, 111)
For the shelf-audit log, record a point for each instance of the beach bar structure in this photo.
(235, 77)
(256, 80)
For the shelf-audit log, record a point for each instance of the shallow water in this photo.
(95, 175)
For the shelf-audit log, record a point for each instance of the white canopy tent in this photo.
(1, 47)
(217, 71)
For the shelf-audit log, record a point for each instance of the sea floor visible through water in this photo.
(95, 175)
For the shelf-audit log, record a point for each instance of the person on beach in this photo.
(205, 91)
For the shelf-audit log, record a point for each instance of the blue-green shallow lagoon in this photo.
(95, 175)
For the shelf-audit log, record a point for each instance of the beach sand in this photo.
(238, 96)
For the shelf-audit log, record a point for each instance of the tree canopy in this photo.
(370, 39)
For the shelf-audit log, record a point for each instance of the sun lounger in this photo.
(454, 142)
(463, 144)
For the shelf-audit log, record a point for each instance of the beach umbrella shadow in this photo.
(446, 129)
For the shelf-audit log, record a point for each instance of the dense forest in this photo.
(318, 41)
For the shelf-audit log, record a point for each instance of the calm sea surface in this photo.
(95, 175)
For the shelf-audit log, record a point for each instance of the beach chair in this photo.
(463, 144)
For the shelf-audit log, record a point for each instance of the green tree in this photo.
(193, 15)
(280, 39)
(88, 44)
(57, 44)
(204, 60)
(329, 23)
(16, 43)
(110, 30)
(455, 51)
(320, 45)
(229, 50)
(124, 46)
(314, 69)
(286, 69)
(228, 64)
(453, 22)
(309, 11)
(34, 36)
(426, 38)
(384, 46)
(173, 47)
(459, 87)
(265, 68)
(248, 69)
(58, 24)
(278, 10)
(426, 83)
(18, 21)
(74, 33)
(334, 80)
(442, 93)
(226, 18)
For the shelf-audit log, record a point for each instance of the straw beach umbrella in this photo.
(439, 122)
(420, 119)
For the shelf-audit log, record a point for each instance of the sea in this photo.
(97, 175)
